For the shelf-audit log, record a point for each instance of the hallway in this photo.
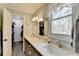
(17, 49)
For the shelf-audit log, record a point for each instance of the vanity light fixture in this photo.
(41, 19)
(36, 18)
(33, 19)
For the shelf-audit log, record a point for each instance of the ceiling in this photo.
(25, 7)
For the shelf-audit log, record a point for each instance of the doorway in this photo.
(17, 35)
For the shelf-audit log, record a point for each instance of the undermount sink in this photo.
(52, 50)
(48, 48)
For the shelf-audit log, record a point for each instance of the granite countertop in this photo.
(46, 49)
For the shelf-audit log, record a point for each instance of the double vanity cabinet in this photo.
(36, 46)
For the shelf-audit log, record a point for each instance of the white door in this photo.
(7, 41)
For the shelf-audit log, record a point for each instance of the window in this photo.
(61, 22)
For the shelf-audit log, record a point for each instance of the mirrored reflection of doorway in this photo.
(41, 28)
(17, 35)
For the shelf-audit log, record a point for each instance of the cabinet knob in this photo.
(5, 39)
(30, 46)
(30, 53)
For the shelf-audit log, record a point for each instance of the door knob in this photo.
(5, 39)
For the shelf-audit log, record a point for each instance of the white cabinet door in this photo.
(7, 41)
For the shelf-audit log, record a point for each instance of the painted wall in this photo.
(27, 25)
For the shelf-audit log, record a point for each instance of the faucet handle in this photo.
(48, 41)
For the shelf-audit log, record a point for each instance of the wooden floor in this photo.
(0, 44)
(0, 50)
(18, 49)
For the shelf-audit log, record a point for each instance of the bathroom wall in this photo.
(41, 12)
(27, 25)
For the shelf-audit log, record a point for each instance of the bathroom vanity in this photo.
(37, 46)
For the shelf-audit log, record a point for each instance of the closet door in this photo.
(7, 41)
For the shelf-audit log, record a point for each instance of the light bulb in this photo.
(41, 19)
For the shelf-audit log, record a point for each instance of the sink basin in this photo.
(49, 49)
(57, 51)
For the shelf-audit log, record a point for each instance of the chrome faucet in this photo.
(59, 44)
